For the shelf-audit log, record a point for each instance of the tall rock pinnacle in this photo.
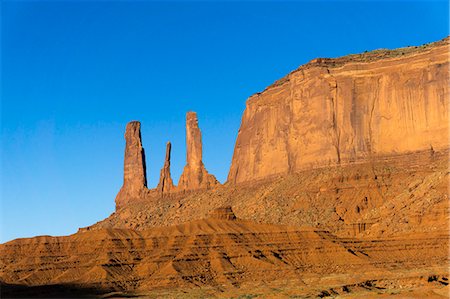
(134, 177)
(193, 141)
(165, 184)
(194, 174)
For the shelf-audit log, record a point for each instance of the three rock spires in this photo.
(194, 176)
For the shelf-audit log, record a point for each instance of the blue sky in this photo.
(73, 73)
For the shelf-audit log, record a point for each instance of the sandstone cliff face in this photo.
(194, 176)
(134, 176)
(165, 184)
(386, 214)
(339, 111)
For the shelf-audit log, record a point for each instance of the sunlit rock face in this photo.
(165, 184)
(194, 176)
(350, 109)
(134, 176)
(379, 121)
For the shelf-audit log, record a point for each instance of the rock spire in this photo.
(165, 184)
(134, 176)
(194, 174)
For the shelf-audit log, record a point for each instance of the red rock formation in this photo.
(223, 213)
(194, 176)
(134, 176)
(165, 184)
(339, 111)
(387, 216)
(209, 253)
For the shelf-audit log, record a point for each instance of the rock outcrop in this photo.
(134, 174)
(218, 255)
(223, 213)
(194, 176)
(165, 184)
(399, 194)
(351, 109)
(386, 214)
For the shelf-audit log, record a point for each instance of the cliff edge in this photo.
(350, 109)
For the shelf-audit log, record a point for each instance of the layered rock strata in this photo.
(134, 175)
(165, 184)
(345, 110)
(386, 214)
(194, 176)
(216, 253)
(223, 213)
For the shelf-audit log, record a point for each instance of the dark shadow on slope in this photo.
(58, 291)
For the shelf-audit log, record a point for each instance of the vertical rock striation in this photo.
(134, 177)
(345, 110)
(194, 174)
(165, 184)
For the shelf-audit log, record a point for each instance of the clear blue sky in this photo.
(74, 73)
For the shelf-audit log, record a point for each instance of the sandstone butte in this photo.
(339, 111)
(338, 186)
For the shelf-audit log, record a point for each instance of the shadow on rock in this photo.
(58, 291)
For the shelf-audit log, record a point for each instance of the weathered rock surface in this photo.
(345, 110)
(194, 176)
(134, 176)
(364, 154)
(223, 256)
(165, 184)
(385, 197)
(224, 213)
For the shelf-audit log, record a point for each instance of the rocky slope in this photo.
(346, 158)
(340, 111)
(395, 195)
(219, 254)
